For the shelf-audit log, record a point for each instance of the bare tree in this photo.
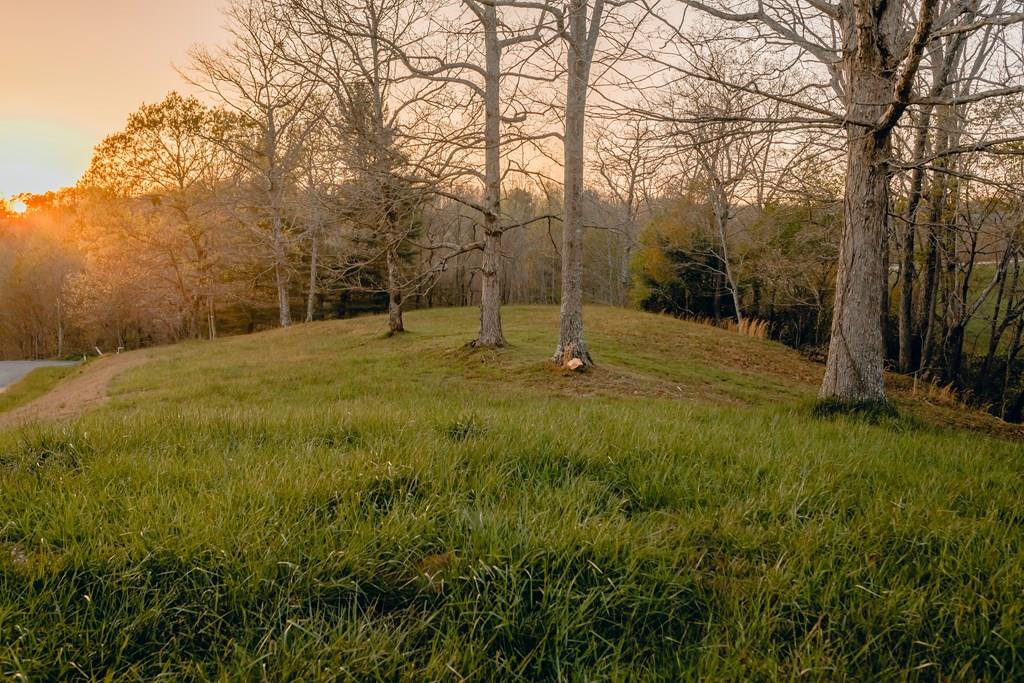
(273, 102)
(871, 52)
(580, 27)
(627, 162)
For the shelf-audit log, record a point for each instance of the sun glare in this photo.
(18, 206)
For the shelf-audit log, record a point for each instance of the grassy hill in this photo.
(325, 503)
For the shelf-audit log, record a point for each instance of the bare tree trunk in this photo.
(311, 295)
(937, 198)
(876, 97)
(571, 344)
(211, 317)
(395, 323)
(720, 208)
(582, 39)
(280, 275)
(854, 371)
(929, 296)
(491, 334)
(877, 92)
(941, 66)
(283, 305)
(907, 267)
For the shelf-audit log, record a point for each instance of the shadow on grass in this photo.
(878, 413)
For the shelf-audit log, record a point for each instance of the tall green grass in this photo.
(327, 504)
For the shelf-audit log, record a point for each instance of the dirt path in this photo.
(13, 370)
(74, 396)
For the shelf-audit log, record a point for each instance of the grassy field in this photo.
(325, 503)
(33, 385)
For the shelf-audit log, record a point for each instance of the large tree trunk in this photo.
(491, 334)
(854, 371)
(877, 92)
(571, 345)
(876, 96)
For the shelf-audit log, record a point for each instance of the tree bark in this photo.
(211, 317)
(582, 39)
(908, 266)
(311, 295)
(720, 210)
(395, 323)
(876, 96)
(491, 334)
(936, 210)
(283, 305)
(854, 371)
(280, 273)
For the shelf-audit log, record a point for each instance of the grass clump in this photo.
(370, 510)
(464, 428)
(872, 412)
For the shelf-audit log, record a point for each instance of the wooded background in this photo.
(724, 160)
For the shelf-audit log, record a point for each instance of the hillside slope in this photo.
(327, 503)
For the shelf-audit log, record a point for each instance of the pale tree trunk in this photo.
(211, 317)
(876, 98)
(491, 334)
(856, 351)
(942, 63)
(720, 209)
(283, 305)
(274, 180)
(311, 296)
(395, 323)
(936, 203)
(854, 371)
(582, 39)
(280, 274)
(908, 267)
(207, 295)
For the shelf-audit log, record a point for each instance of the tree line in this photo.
(849, 172)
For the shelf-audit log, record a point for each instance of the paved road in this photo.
(13, 370)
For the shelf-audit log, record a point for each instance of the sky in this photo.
(72, 70)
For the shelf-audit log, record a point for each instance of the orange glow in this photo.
(73, 71)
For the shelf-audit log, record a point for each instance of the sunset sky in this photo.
(72, 70)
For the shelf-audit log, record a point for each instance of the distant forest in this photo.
(346, 157)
